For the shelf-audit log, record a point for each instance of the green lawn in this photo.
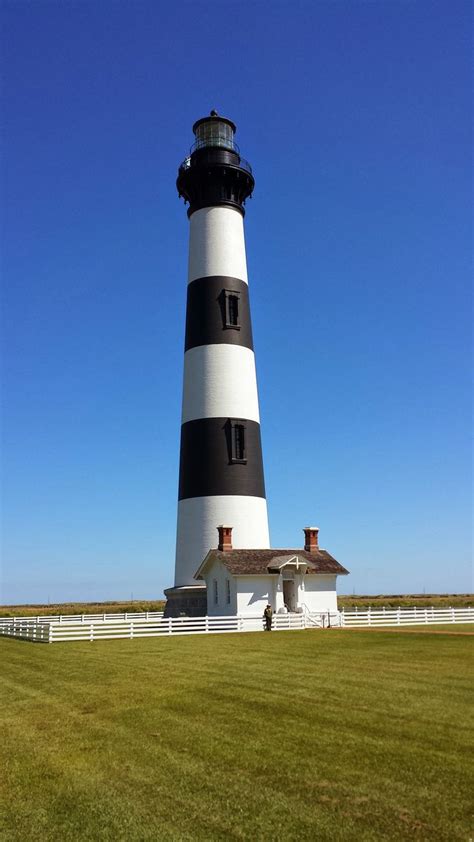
(285, 736)
(439, 628)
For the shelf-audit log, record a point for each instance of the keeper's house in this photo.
(245, 581)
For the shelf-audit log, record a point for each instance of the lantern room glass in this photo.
(214, 133)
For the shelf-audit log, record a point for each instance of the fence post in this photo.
(131, 630)
(426, 615)
(50, 634)
(398, 616)
(91, 633)
(206, 624)
(170, 629)
(453, 615)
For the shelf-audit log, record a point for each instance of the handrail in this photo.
(187, 163)
(322, 615)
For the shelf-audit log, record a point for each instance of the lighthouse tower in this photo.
(221, 470)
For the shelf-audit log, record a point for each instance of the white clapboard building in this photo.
(244, 581)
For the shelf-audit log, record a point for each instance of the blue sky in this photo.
(356, 119)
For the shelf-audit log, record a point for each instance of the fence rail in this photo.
(405, 616)
(83, 618)
(154, 624)
(54, 632)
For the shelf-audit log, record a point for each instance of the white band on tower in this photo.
(217, 244)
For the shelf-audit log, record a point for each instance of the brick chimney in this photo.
(311, 538)
(225, 538)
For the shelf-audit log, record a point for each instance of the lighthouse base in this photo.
(185, 601)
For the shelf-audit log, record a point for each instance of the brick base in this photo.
(189, 602)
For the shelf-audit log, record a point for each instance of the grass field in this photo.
(431, 628)
(342, 735)
(390, 601)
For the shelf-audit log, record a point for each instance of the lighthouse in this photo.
(221, 479)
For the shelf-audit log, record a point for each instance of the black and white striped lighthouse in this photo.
(221, 470)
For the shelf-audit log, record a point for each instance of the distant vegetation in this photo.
(390, 601)
(407, 601)
(66, 608)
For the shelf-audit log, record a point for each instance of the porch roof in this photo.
(258, 562)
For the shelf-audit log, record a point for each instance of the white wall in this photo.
(254, 593)
(251, 594)
(217, 244)
(220, 382)
(318, 593)
(220, 574)
(198, 518)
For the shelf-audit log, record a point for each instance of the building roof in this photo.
(258, 562)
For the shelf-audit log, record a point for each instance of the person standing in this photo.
(268, 616)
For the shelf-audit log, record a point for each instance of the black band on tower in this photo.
(218, 311)
(209, 464)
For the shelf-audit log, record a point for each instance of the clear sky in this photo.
(356, 119)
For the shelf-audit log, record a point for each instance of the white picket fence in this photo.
(154, 624)
(405, 616)
(83, 618)
(108, 629)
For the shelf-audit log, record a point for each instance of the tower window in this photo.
(231, 309)
(236, 436)
(227, 591)
(216, 591)
(238, 442)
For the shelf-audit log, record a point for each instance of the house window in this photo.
(227, 591)
(232, 309)
(216, 591)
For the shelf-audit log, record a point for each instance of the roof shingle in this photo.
(255, 562)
